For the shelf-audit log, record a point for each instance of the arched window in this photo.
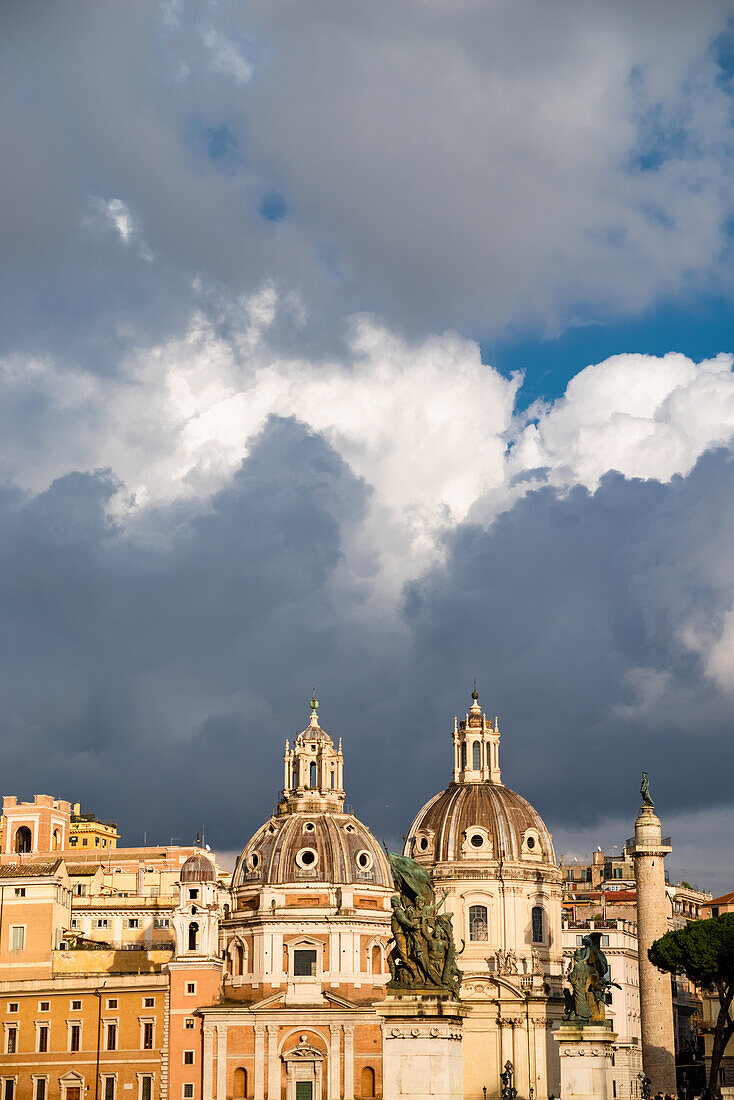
(23, 839)
(240, 1083)
(312, 780)
(367, 1083)
(463, 754)
(376, 960)
(295, 774)
(193, 935)
(476, 756)
(537, 922)
(332, 779)
(478, 922)
(55, 840)
(239, 960)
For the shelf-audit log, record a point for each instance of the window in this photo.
(23, 839)
(188, 1057)
(40, 1088)
(304, 963)
(147, 1035)
(193, 935)
(17, 937)
(72, 841)
(312, 780)
(96, 842)
(146, 1088)
(12, 1006)
(478, 922)
(191, 987)
(133, 922)
(112, 1002)
(74, 922)
(161, 922)
(44, 1006)
(111, 1037)
(42, 1038)
(76, 1006)
(537, 922)
(75, 1037)
(101, 922)
(11, 1039)
(109, 1088)
(188, 1091)
(189, 1023)
(463, 754)
(9, 1092)
(148, 1002)
(476, 840)
(194, 894)
(84, 842)
(476, 756)
(80, 889)
(605, 941)
(20, 891)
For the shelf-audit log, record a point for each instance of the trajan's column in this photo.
(656, 1001)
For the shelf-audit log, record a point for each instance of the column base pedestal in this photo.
(586, 1061)
(421, 1047)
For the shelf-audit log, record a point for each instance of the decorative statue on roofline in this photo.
(423, 953)
(589, 980)
(645, 791)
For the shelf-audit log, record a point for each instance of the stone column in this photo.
(208, 1067)
(273, 1063)
(259, 1062)
(656, 997)
(221, 1060)
(421, 1047)
(334, 1091)
(348, 1061)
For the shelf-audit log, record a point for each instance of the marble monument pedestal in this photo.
(586, 1060)
(421, 1046)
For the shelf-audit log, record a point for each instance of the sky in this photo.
(379, 347)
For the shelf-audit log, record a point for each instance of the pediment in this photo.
(304, 1052)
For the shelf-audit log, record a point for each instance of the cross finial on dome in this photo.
(475, 697)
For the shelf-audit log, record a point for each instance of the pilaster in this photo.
(259, 1062)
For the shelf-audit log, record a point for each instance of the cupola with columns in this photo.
(313, 770)
(476, 746)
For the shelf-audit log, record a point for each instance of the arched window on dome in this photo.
(312, 775)
(193, 935)
(463, 754)
(367, 1083)
(538, 921)
(476, 755)
(478, 923)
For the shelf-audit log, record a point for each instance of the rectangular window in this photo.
(147, 1036)
(148, 1002)
(74, 922)
(189, 1024)
(109, 1088)
(304, 963)
(9, 1091)
(76, 1006)
(605, 941)
(111, 1037)
(84, 842)
(72, 841)
(41, 1088)
(193, 894)
(12, 1006)
(80, 889)
(44, 1006)
(161, 922)
(146, 1088)
(17, 937)
(188, 1092)
(101, 922)
(75, 1036)
(112, 1002)
(191, 987)
(133, 922)
(11, 1040)
(42, 1039)
(20, 891)
(188, 1056)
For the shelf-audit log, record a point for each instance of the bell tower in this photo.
(313, 770)
(476, 746)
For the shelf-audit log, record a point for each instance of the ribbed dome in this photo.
(198, 869)
(313, 847)
(479, 821)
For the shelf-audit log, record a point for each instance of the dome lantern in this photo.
(313, 770)
(476, 746)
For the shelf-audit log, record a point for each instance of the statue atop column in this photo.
(645, 791)
(423, 953)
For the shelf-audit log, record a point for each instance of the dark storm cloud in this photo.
(157, 681)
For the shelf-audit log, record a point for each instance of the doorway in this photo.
(304, 1090)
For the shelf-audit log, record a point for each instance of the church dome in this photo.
(477, 817)
(198, 869)
(301, 848)
(479, 820)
